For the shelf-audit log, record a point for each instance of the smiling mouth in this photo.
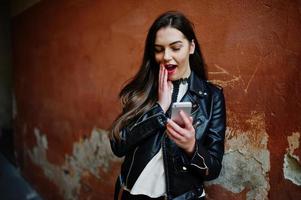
(170, 67)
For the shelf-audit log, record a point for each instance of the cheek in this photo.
(158, 58)
(180, 59)
(183, 57)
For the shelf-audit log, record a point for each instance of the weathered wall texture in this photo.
(71, 58)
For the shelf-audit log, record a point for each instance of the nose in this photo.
(166, 55)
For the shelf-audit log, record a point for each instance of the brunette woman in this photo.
(163, 159)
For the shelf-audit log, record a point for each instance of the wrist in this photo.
(163, 107)
(190, 151)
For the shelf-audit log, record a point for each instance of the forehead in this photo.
(168, 35)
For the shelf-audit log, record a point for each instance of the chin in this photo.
(171, 78)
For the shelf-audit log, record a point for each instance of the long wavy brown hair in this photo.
(141, 92)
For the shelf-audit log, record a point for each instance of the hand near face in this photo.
(183, 136)
(164, 89)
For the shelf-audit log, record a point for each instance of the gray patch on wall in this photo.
(246, 162)
(291, 164)
(88, 155)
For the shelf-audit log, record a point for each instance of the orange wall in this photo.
(72, 57)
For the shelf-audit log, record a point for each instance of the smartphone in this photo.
(175, 111)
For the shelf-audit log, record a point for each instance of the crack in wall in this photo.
(88, 155)
(291, 163)
(246, 162)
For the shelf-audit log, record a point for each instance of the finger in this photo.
(173, 134)
(186, 120)
(171, 137)
(170, 86)
(176, 127)
(165, 77)
(161, 77)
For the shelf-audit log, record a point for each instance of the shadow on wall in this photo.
(6, 130)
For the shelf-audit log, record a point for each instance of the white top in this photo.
(151, 181)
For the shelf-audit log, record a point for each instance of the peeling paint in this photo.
(41, 139)
(88, 156)
(246, 161)
(293, 142)
(291, 164)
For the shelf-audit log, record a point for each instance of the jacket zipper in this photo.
(193, 103)
(165, 166)
(195, 111)
(127, 177)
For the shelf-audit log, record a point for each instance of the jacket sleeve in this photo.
(145, 126)
(207, 159)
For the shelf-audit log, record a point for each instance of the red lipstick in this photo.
(170, 68)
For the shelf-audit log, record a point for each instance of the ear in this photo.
(191, 47)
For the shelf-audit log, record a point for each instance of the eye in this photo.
(158, 49)
(176, 48)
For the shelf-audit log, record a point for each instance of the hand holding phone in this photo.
(177, 107)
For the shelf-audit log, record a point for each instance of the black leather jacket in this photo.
(184, 175)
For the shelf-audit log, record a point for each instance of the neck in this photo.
(183, 80)
(187, 73)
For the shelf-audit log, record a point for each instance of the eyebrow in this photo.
(175, 42)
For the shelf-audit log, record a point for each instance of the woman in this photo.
(163, 159)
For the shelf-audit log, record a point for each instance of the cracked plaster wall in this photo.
(88, 156)
(71, 59)
(246, 162)
(291, 164)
